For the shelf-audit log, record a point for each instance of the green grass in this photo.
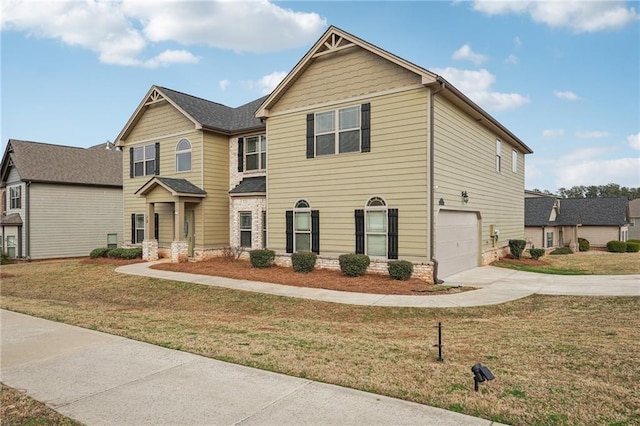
(582, 263)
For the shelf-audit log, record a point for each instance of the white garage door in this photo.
(457, 243)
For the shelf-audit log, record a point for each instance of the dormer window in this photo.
(183, 156)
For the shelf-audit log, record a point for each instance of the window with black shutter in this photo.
(240, 154)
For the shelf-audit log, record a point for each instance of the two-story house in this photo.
(59, 201)
(366, 153)
(193, 176)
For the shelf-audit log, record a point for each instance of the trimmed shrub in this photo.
(4, 259)
(400, 269)
(536, 253)
(125, 253)
(354, 265)
(303, 261)
(262, 258)
(99, 252)
(561, 250)
(617, 246)
(583, 244)
(633, 241)
(633, 247)
(516, 247)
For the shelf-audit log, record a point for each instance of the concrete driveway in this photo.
(494, 285)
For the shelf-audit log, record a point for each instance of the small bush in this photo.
(99, 252)
(516, 247)
(633, 247)
(354, 265)
(633, 241)
(262, 258)
(583, 244)
(303, 261)
(125, 253)
(400, 269)
(561, 250)
(4, 259)
(536, 253)
(617, 246)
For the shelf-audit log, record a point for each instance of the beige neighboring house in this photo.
(634, 219)
(551, 221)
(60, 201)
(357, 150)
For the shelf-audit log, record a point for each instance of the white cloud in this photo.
(566, 95)
(121, 33)
(512, 59)
(267, 83)
(593, 135)
(465, 53)
(634, 141)
(623, 171)
(224, 84)
(580, 16)
(477, 84)
(552, 133)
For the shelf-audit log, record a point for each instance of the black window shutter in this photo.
(289, 225)
(392, 217)
(156, 229)
(130, 162)
(310, 135)
(240, 154)
(133, 228)
(157, 171)
(359, 214)
(315, 231)
(365, 125)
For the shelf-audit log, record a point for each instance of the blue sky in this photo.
(563, 76)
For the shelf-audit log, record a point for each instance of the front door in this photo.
(190, 230)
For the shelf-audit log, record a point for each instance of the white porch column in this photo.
(150, 244)
(179, 247)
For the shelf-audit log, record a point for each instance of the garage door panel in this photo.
(457, 242)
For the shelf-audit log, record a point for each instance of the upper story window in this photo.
(339, 131)
(498, 155)
(15, 199)
(514, 161)
(252, 153)
(144, 160)
(183, 156)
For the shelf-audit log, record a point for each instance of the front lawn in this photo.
(557, 360)
(582, 263)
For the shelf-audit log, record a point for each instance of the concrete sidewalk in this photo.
(100, 379)
(494, 285)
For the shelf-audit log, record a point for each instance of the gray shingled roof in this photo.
(217, 116)
(251, 185)
(182, 186)
(12, 219)
(584, 211)
(43, 162)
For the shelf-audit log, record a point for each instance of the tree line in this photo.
(611, 190)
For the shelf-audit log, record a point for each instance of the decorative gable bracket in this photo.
(333, 43)
(154, 97)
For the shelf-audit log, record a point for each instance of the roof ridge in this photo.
(195, 97)
(46, 143)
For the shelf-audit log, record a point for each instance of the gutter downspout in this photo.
(430, 187)
(28, 220)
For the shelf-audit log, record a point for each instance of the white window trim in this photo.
(514, 161)
(144, 221)
(245, 229)
(259, 152)
(385, 209)
(498, 155)
(182, 152)
(297, 210)
(15, 197)
(336, 130)
(144, 160)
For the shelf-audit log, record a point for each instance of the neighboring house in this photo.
(634, 219)
(194, 175)
(366, 153)
(60, 201)
(556, 222)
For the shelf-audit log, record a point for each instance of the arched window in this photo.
(302, 226)
(183, 156)
(376, 227)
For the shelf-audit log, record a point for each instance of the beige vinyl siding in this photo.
(599, 235)
(159, 119)
(71, 220)
(347, 73)
(465, 160)
(215, 208)
(336, 185)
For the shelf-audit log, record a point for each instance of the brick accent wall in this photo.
(255, 205)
